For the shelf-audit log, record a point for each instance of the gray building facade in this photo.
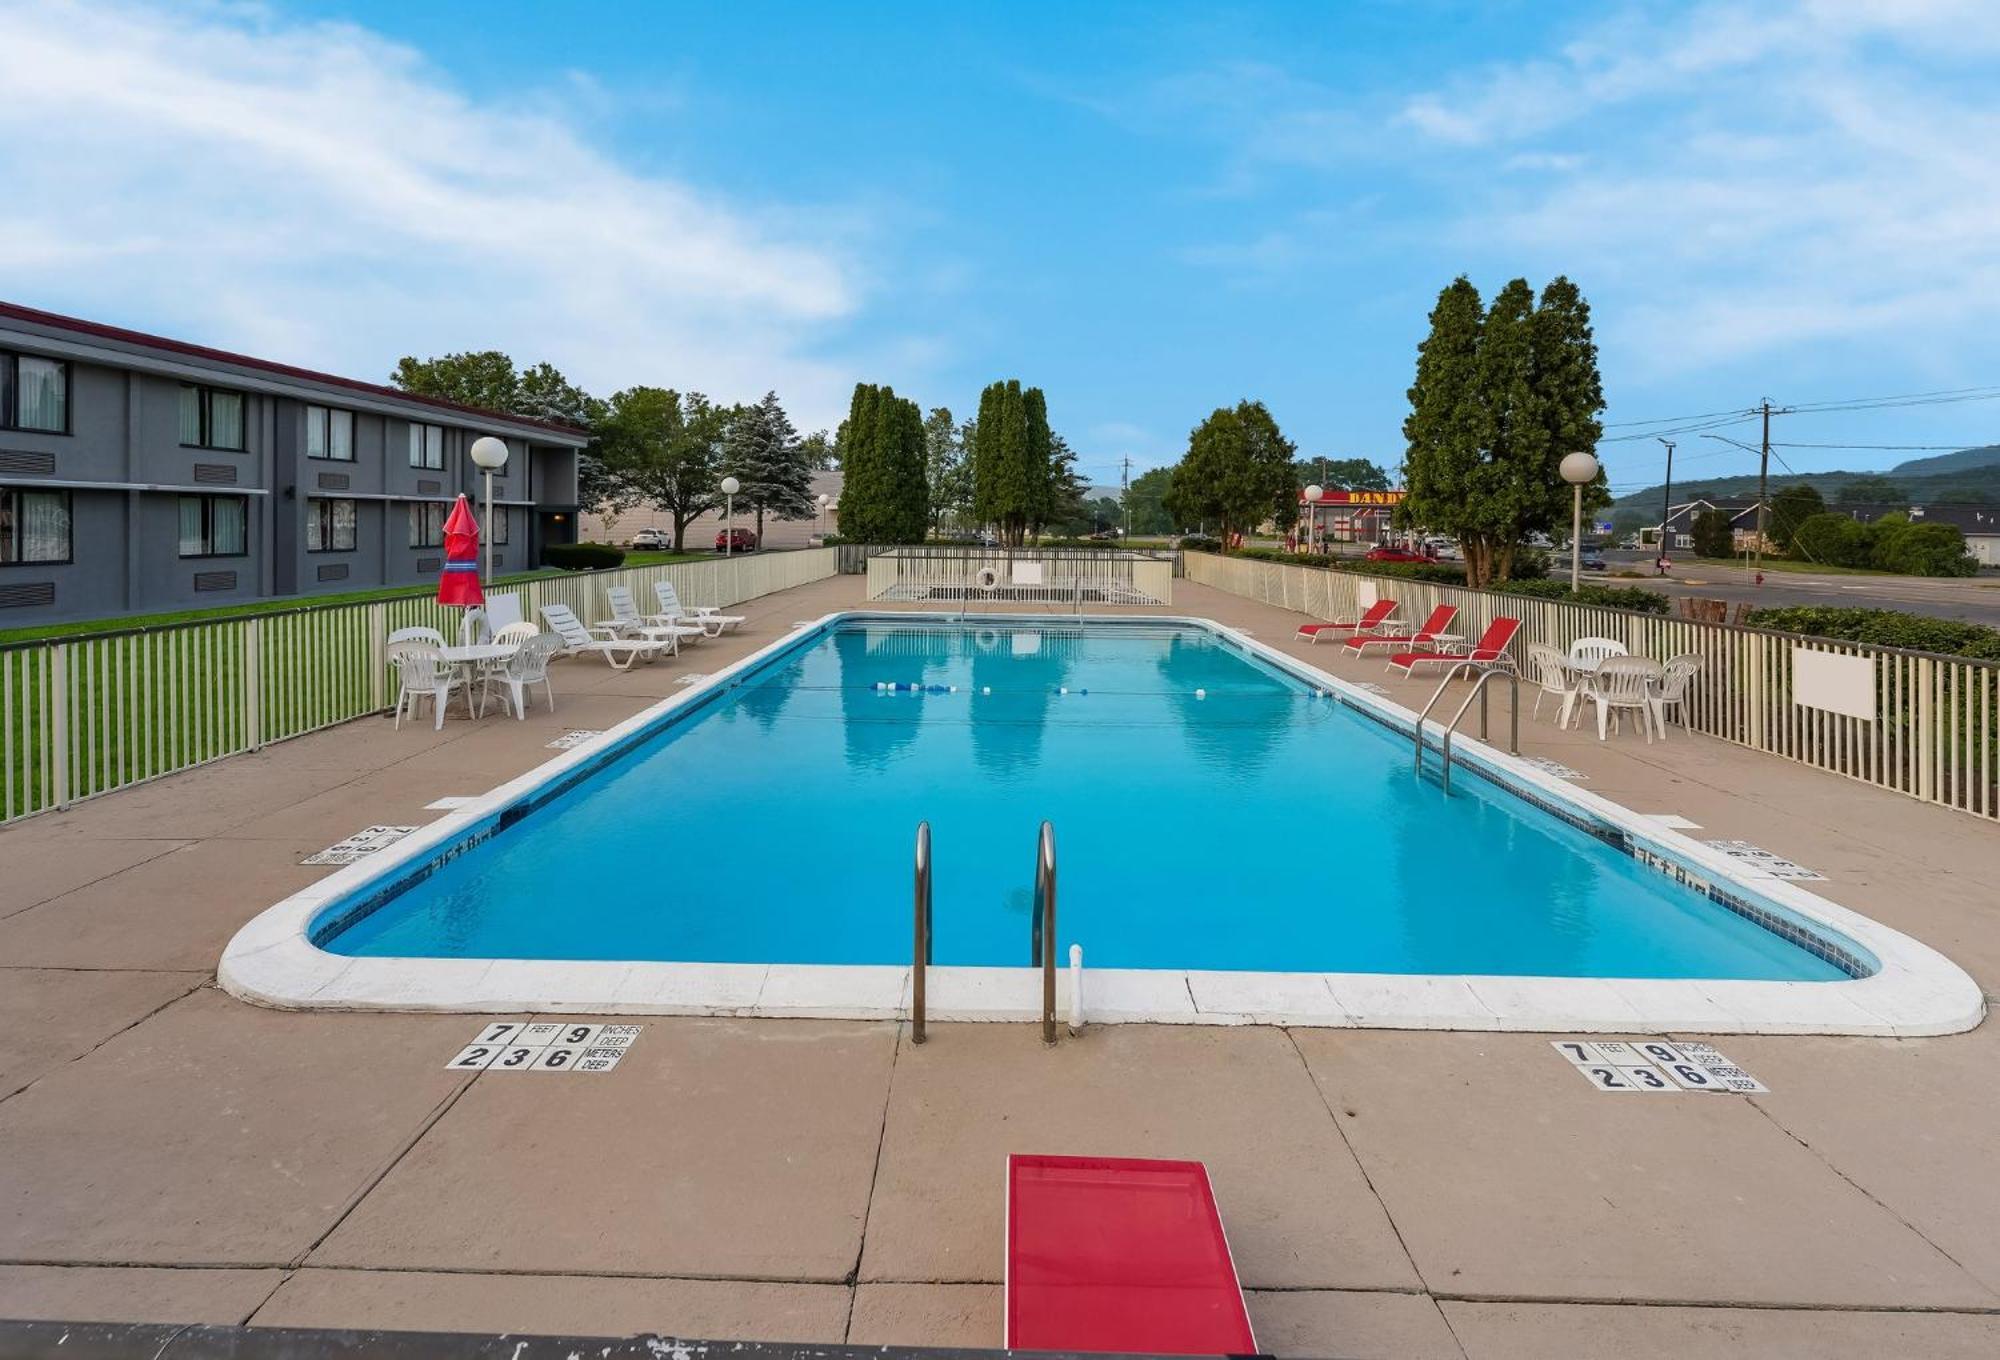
(140, 474)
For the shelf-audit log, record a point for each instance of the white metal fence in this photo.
(1021, 576)
(86, 715)
(1921, 724)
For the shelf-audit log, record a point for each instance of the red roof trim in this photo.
(104, 332)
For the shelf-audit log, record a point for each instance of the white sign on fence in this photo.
(1834, 682)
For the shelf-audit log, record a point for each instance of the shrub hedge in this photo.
(1884, 628)
(1534, 585)
(582, 556)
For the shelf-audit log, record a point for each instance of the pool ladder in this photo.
(1041, 929)
(1485, 670)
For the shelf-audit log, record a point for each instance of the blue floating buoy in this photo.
(1083, 691)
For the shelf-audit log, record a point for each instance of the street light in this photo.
(1579, 470)
(1313, 493)
(490, 455)
(730, 486)
(824, 501)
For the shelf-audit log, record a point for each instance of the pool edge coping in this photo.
(1914, 991)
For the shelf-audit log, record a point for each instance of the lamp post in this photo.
(1313, 493)
(1579, 470)
(824, 501)
(730, 486)
(490, 455)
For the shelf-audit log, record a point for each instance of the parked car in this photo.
(1389, 553)
(655, 539)
(1594, 561)
(735, 540)
(1444, 550)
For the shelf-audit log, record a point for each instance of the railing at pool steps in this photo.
(1041, 933)
(1042, 927)
(922, 958)
(1484, 671)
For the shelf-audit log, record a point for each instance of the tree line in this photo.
(906, 475)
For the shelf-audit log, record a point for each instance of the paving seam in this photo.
(425, 1126)
(1868, 1194)
(170, 1001)
(179, 842)
(284, 1278)
(1366, 1179)
(874, 1176)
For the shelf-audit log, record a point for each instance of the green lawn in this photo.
(1772, 564)
(40, 632)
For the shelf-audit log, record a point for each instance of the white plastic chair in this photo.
(528, 666)
(1620, 683)
(514, 634)
(430, 635)
(1672, 688)
(423, 674)
(627, 621)
(1594, 649)
(672, 610)
(473, 628)
(1552, 677)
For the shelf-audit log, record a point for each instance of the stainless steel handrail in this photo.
(1042, 927)
(922, 931)
(1485, 671)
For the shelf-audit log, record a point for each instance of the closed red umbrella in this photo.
(460, 583)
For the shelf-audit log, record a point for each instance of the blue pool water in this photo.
(1210, 810)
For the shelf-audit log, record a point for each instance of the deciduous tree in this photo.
(667, 449)
(1237, 472)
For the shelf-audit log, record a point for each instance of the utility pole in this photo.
(1125, 491)
(1666, 505)
(1763, 486)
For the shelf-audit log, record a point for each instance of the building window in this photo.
(496, 532)
(211, 418)
(426, 446)
(34, 526)
(427, 524)
(330, 434)
(34, 393)
(214, 526)
(329, 525)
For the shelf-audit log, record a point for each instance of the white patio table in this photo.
(472, 656)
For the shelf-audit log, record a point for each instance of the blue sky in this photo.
(1147, 210)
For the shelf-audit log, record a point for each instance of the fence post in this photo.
(253, 684)
(378, 660)
(59, 724)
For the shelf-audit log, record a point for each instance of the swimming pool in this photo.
(1223, 815)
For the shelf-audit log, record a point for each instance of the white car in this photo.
(1444, 550)
(654, 539)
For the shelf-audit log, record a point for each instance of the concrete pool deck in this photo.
(168, 1153)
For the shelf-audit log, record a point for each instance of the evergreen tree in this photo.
(883, 498)
(1016, 483)
(1506, 485)
(1569, 397)
(1445, 432)
(764, 454)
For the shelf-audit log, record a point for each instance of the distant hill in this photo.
(1986, 456)
(1967, 475)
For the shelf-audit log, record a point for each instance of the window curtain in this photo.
(225, 420)
(340, 436)
(316, 431)
(231, 521)
(343, 524)
(191, 535)
(43, 394)
(190, 426)
(44, 527)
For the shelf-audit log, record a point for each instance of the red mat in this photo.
(1119, 1254)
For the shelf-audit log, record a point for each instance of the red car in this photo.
(736, 540)
(1386, 553)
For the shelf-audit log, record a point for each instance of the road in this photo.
(1969, 600)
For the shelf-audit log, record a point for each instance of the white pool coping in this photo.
(1915, 991)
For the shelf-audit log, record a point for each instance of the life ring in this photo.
(987, 639)
(986, 578)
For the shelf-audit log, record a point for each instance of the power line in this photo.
(1935, 448)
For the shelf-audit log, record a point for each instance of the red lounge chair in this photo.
(1119, 1254)
(1491, 649)
(1372, 618)
(1426, 635)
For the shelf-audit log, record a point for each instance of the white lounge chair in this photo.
(707, 616)
(423, 674)
(627, 621)
(502, 609)
(528, 666)
(619, 652)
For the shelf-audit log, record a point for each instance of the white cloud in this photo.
(316, 193)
